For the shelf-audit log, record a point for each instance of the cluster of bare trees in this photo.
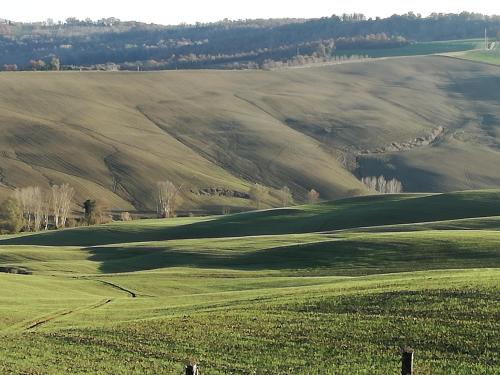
(41, 210)
(168, 198)
(38, 206)
(33, 209)
(54, 64)
(381, 185)
(259, 193)
(301, 60)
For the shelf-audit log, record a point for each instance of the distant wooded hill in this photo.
(113, 44)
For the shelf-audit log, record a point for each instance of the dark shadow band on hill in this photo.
(481, 88)
(342, 214)
(341, 256)
(415, 178)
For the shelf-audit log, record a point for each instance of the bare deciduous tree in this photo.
(37, 208)
(257, 194)
(56, 204)
(312, 196)
(285, 196)
(62, 197)
(67, 194)
(167, 199)
(125, 216)
(46, 207)
(381, 184)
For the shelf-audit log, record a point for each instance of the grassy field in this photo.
(419, 48)
(336, 287)
(491, 56)
(321, 127)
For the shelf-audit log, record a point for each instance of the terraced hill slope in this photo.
(432, 122)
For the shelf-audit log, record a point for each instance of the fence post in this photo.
(407, 361)
(192, 369)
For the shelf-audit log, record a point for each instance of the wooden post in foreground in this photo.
(407, 361)
(192, 369)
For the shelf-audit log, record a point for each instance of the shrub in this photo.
(11, 216)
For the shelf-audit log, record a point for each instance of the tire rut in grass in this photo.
(116, 286)
(48, 319)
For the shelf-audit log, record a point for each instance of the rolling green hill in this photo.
(300, 288)
(361, 212)
(429, 121)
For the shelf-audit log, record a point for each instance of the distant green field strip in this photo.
(420, 48)
(479, 223)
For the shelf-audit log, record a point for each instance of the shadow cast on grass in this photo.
(336, 257)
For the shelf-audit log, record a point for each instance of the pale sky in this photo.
(190, 11)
